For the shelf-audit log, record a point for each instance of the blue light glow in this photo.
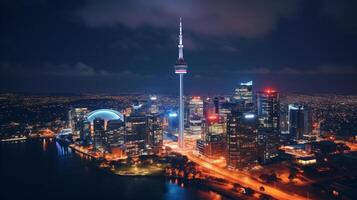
(249, 116)
(249, 83)
(106, 114)
(173, 114)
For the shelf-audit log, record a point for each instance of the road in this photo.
(243, 179)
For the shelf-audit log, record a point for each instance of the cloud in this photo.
(249, 19)
(79, 69)
(322, 70)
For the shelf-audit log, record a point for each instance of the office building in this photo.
(300, 121)
(242, 140)
(268, 109)
(155, 133)
(243, 95)
(75, 116)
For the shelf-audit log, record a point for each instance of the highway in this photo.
(241, 178)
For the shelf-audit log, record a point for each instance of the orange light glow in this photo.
(212, 117)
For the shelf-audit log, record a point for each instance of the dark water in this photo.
(43, 169)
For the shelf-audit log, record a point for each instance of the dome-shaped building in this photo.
(105, 114)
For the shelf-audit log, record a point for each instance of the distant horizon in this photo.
(168, 94)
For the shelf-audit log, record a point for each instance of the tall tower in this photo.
(181, 69)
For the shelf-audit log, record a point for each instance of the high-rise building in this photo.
(99, 132)
(244, 95)
(209, 108)
(84, 131)
(181, 69)
(268, 107)
(153, 105)
(75, 116)
(214, 125)
(242, 140)
(300, 121)
(211, 147)
(172, 118)
(212, 142)
(155, 134)
(225, 109)
(136, 125)
(103, 122)
(195, 109)
(136, 136)
(115, 132)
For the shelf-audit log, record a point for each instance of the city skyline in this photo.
(98, 100)
(87, 46)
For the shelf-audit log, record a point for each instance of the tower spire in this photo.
(180, 46)
(181, 69)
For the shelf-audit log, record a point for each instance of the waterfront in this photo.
(42, 169)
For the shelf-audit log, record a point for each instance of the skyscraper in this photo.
(195, 110)
(181, 69)
(99, 132)
(268, 107)
(242, 141)
(153, 105)
(75, 116)
(155, 132)
(243, 94)
(84, 131)
(300, 121)
(212, 142)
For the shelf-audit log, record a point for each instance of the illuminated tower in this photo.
(181, 69)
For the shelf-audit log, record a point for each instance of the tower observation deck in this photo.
(181, 69)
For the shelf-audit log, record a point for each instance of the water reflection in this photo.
(44, 145)
(54, 170)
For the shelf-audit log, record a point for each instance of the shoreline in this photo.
(195, 182)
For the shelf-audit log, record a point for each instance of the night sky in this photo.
(107, 46)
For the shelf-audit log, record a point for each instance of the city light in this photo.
(106, 114)
(173, 114)
(233, 130)
(249, 83)
(249, 116)
(269, 90)
(213, 117)
(153, 98)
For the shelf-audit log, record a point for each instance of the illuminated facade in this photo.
(107, 128)
(300, 121)
(268, 107)
(99, 133)
(209, 108)
(155, 133)
(153, 105)
(212, 143)
(242, 140)
(114, 134)
(243, 94)
(84, 134)
(195, 110)
(172, 120)
(105, 114)
(75, 116)
(181, 69)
